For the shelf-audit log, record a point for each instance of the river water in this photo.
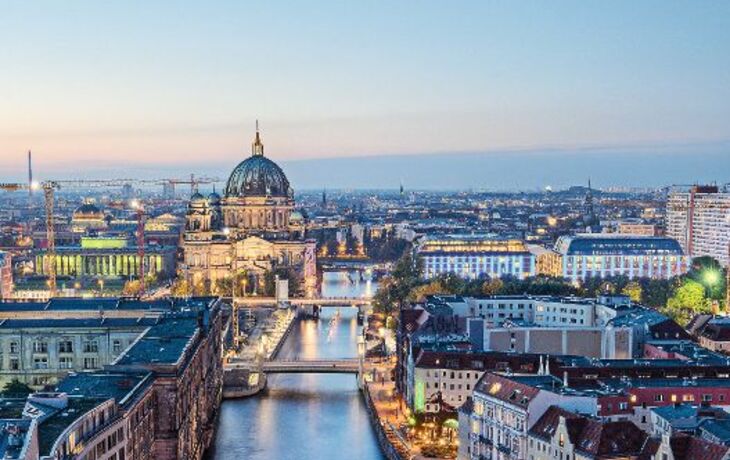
(306, 416)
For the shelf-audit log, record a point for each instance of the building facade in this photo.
(248, 229)
(605, 255)
(6, 275)
(108, 258)
(475, 256)
(700, 220)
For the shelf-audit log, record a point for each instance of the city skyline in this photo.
(178, 89)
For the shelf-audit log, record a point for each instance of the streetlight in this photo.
(710, 277)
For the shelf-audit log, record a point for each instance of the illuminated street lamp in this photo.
(710, 278)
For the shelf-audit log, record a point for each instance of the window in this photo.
(658, 398)
(117, 347)
(90, 363)
(13, 347)
(707, 397)
(40, 363)
(40, 347)
(91, 346)
(14, 364)
(66, 362)
(65, 346)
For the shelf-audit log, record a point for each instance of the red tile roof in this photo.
(595, 438)
(691, 447)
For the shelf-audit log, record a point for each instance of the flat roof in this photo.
(163, 343)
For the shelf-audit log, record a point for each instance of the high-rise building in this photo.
(700, 220)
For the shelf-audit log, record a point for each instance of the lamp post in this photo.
(710, 278)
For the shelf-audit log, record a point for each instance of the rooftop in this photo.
(104, 385)
(163, 343)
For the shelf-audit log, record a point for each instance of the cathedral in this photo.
(253, 228)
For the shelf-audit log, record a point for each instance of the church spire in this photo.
(257, 148)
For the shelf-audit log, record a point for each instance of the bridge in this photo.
(246, 378)
(332, 366)
(305, 302)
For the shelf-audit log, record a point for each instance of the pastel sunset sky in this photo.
(103, 86)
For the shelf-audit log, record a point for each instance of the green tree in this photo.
(656, 292)
(633, 290)
(223, 286)
(17, 388)
(687, 301)
(395, 289)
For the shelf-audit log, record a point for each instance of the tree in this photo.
(181, 288)
(656, 292)
(435, 287)
(17, 388)
(687, 301)
(633, 290)
(269, 287)
(223, 286)
(492, 286)
(132, 288)
(395, 289)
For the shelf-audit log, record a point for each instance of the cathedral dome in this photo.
(214, 198)
(257, 176)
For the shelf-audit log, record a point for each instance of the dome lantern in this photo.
(258, 176)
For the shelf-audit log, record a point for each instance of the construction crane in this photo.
(139, 208)
(193, 182)
(49, 188)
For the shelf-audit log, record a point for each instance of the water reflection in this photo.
(305, 416)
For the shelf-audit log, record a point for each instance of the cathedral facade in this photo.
(252, 229)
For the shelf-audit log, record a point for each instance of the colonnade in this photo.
(100, 264)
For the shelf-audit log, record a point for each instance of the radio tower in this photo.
(30, 176)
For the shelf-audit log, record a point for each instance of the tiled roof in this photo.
(476, 361)
(691, 447)
(505, 389)
(545, 426)
(593, 437)
(718, 332)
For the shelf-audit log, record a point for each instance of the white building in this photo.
(504, 408)
(605, 255)
(700, 220)
(475, 256)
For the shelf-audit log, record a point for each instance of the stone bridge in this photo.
(332, 366)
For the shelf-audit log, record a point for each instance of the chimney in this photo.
(565, 379)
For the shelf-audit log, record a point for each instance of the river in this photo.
(306, 416)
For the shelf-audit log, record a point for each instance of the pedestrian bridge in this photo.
(332, 366)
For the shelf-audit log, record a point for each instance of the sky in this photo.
(491, 88)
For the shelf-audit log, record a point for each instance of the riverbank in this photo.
(303, 416)
(391, 445)
(265, 342)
